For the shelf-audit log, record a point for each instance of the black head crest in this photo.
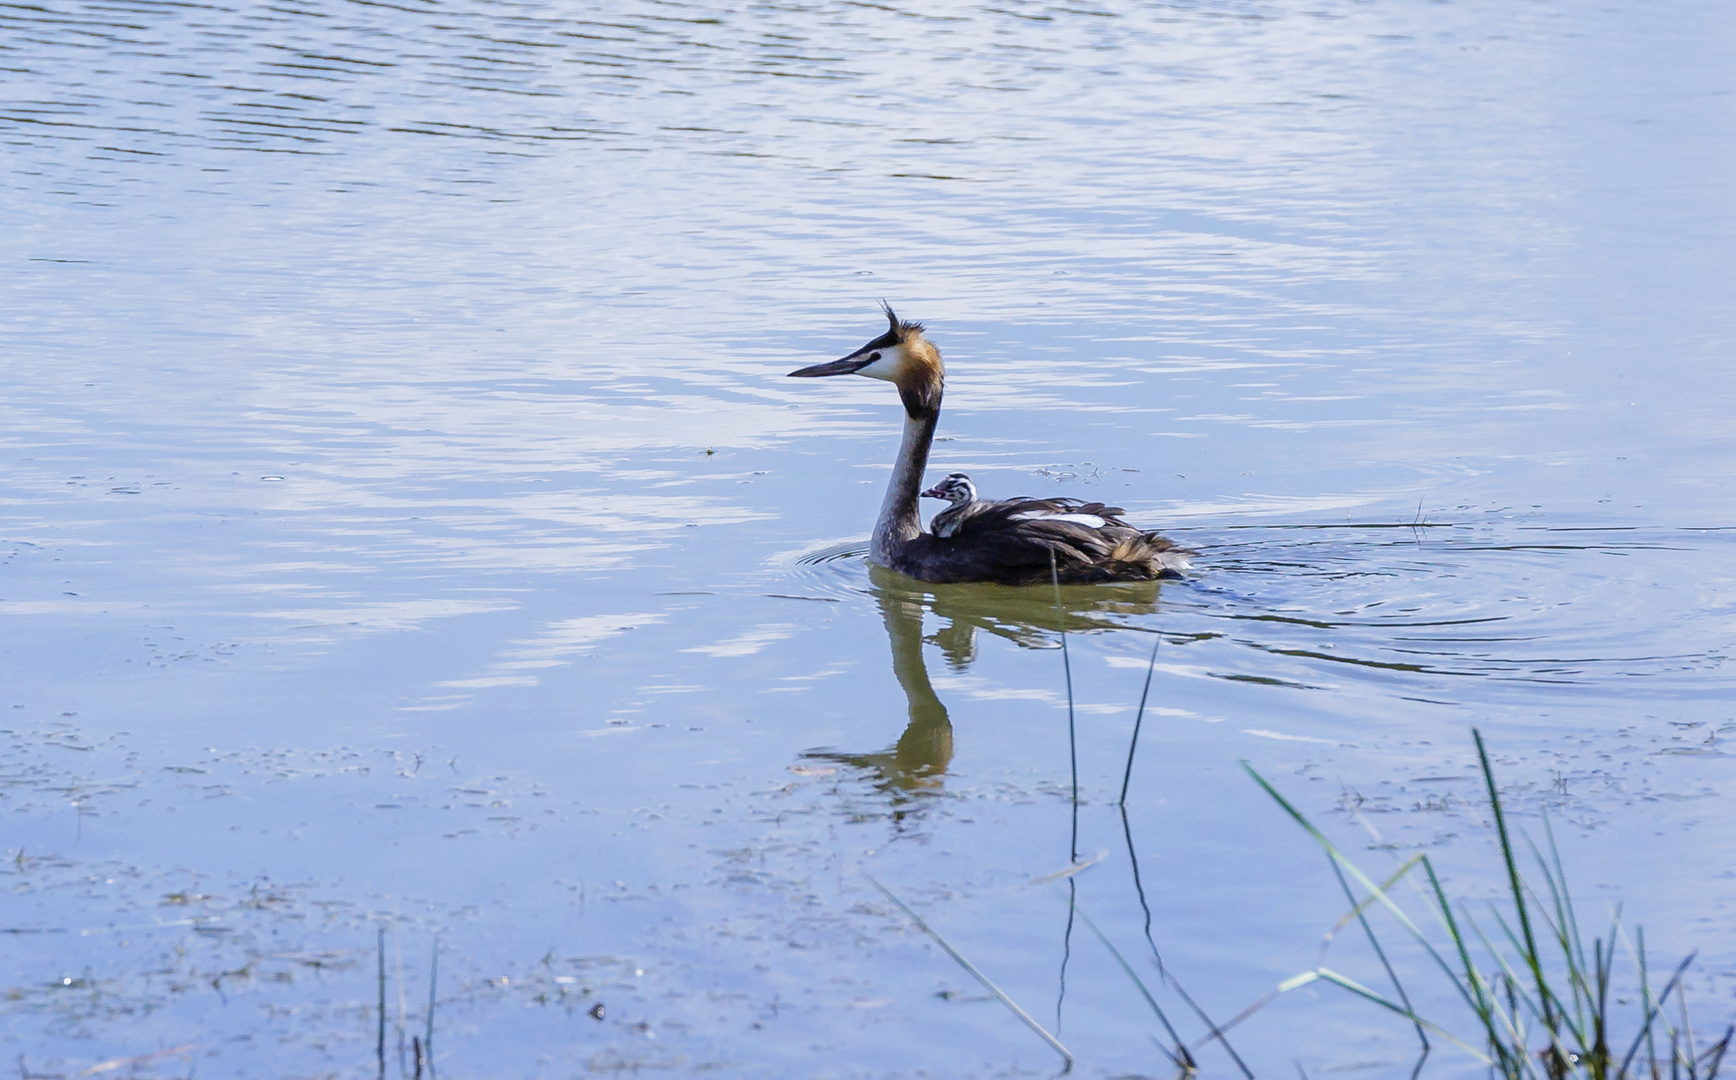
(897, 329)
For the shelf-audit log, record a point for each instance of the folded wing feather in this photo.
(1084, 541)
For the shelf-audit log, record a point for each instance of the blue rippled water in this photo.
(407, 524)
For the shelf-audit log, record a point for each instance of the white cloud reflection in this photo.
(557, 645)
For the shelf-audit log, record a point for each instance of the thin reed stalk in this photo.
(987, 983)
(428, 1032)
(1180, 1057)
(380, 1044)
(1214, 1031)
(1072, 733)
(1138, 719)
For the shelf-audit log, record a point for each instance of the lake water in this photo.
(408, 526)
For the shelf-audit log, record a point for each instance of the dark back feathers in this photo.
(1015, 542)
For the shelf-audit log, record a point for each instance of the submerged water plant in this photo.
(1541, 998)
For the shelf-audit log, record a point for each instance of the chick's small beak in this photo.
(933, 493)
(849, 365)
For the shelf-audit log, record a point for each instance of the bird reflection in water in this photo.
(916, 765)
(1031, 618)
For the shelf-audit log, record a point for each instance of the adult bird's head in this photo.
(901, 356)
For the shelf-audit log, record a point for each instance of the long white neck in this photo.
(900, 522)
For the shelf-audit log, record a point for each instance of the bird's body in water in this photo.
(1010, 541)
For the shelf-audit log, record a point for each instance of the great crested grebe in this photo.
(1008, 541)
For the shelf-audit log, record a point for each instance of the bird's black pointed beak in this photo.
(849, 365)
(933, 493)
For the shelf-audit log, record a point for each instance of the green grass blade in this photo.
(1713, 1058)
(1532, 959)
(1374, 996)
(1472, 986)
(1545, 1016)
(1358, 909)
(1510, 1035)
(1374, 939)
(988, 984)
(1361, 878)
(1175, 1039)
(1572, 918)
(1652, 1014)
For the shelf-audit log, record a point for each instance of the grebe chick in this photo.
(1009, 541)
(958, 490)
